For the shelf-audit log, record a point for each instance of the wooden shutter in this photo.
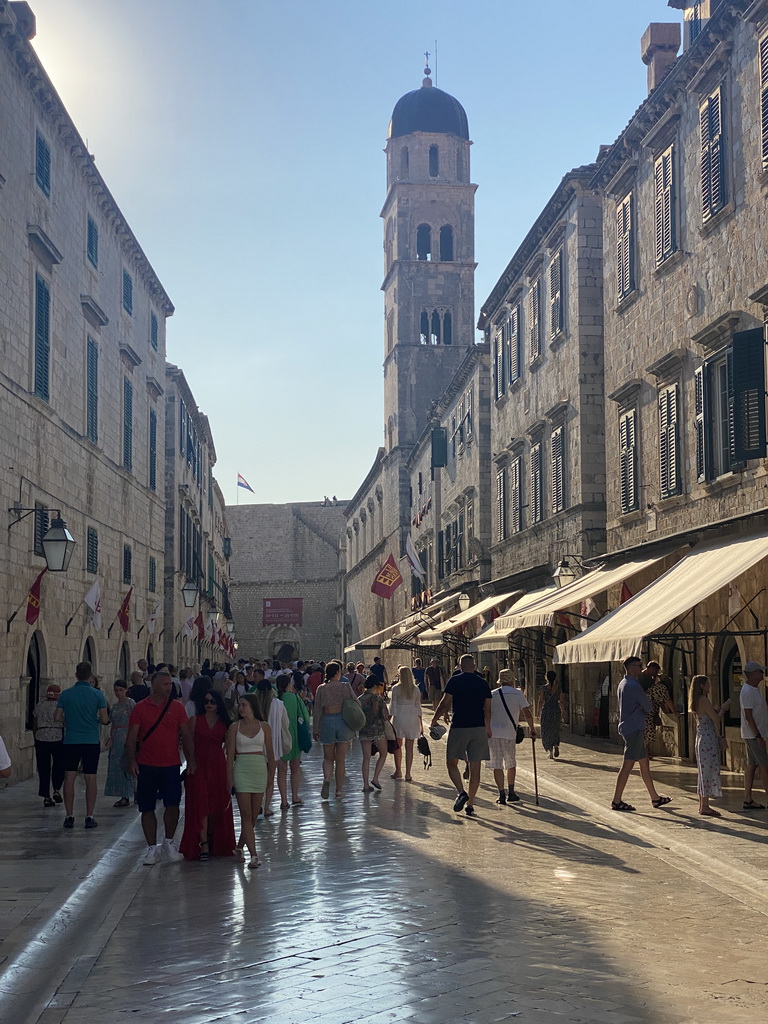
(534, 321)
(625, 270)
(514, 345)
(537, 484)
(664, 174)
(515, 495)
(669, 471)
(152, 450)
(764, 98)
(558, 469)
(127, 563)
(92, 392)
(468, 415)
(748, 386)
(628, 461)
(713, 184)
(42, 337)
(42, 164)
(701, 416)
(127, 424)
(556, 294)
(92, 242)
(153, 331)
(498, 365)
(501, 504)
(460, 541)
(127, 292)
(92, 550)
(152, 574)
(440, 550)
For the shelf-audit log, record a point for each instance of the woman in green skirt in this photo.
(250, 761)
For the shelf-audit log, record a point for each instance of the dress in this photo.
(550, 717)
(658, 695)
(206, 793)
(295, 709)
(375, 708)
(119, 783)
(406, 714)
(708, 757)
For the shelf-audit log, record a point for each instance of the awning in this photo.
(419, 620)
(697, 576)
(544, 611)
(490, 639)
(455, 621)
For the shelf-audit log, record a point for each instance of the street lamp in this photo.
(58, 543)
(189, 594)
(230, 627)
(464, 602)
(564, 573)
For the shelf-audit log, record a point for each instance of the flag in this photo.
(388, 579)
(189, 627)
(626, 593)
(735, 601)
(564, 619)
(33, 599)
(124, 612)
(93, 601)
(200, 626)
(152, 620)
(211, 630)
(242, 482)
(588, 606)
(413, 558)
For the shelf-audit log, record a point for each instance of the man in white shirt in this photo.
(754, 730)
(508, 704)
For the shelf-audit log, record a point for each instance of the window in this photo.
(153, 330)
(537, 483)
(695, 22)
(557, 462)
(534, 320)
(42, 337)
(453, 436)
(714, 192)
(625, 247)
(628, 462)
(764, 98)
(182, 428)
(152, 574)
(459, 165)
(446, 243)
(152, 450)
(434, 162)
(211, 575)
(183, 566)
(513, 345)
(41, 527)
(92, 392)
(42, 164)
(556, 314)
(516, 495)
(669, 468)
(92, 241)
(127, 424)
(127, 293)
(404, 164)
(127, 563)
(664, 180)
(434, 329)
(423, 242)
(469, 418)
(92, 550)
(447, 328)
(440, 555)
(498, 364)
(501, 504)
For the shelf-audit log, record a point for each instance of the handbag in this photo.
(390, 736)
(303, 735)
(520, 731)
(422, 745)
(353, 714)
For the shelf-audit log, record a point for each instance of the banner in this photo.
(124, 612)
(200, 626)
(92, 600)
(282, 611)
(388, 579)
(413, 558)
(33, 599)
(152, 620)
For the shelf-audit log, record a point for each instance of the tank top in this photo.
(249, 744)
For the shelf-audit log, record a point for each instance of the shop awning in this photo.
(423, 619)
(455, 621)
(544, 612)
(697, 576)
(490, 639)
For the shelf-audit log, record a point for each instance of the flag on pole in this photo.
(33, 599)
(413, 558)
(588, 607)
(92, 600)
(124, 612)
(242, 482)
(152, 620)
(200, 626)
(735, 601)
(626, 593)
(387, 580)
(564, 619)
(189, 627)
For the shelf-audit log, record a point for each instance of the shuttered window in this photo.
(440, 552)
(625, 247)
(714, 194)
(469, 417)
(127, 293)
(42, 337)
(534, 320)
(764, 98)
(152, 450)
(127, 563)
(669, 432)
(92, 392)
(42, 164)
(516, 495)
(92, 242)
(41, 527)
(557, 460)
(127, 424)
(700, 404)
(748, 395)
(664, 223)
(182, 429)
(501, 504)
(182, 541)
(92, 551)
(152, 574)
(628, 461)
(556, 312)
(513, 362)
(154, 331)
(498, 365)
(537, 483)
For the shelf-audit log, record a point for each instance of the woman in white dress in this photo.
(405, 709)
(274, 714)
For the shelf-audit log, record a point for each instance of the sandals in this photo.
(367, 789)
(122, 802)
(376, 785)
(253, 862)
(268, 814)
(662, 801)
(325, 792)
(285, 807)
(49, 803)
(238, 854)
(57, 797)
(750, 805)
(619, 805)
(711, 814)
(397, 777)
(297, 803)
(204, 853)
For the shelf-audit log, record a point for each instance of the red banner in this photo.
(388, 579)
(124, 612)
(282, 611)
(33, 599)
(200, 626)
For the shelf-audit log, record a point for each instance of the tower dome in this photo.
(428, 109)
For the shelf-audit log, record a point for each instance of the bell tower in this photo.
(429, 257)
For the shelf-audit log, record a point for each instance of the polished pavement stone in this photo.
(390, 907)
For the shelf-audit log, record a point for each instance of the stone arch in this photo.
(424, 242)
(124, 661)
(35, 673)
(280, 639)
(89, 653)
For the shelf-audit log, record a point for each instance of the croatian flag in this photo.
(242, 482)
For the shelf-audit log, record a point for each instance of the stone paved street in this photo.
(390, 907)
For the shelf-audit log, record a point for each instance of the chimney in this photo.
(658, 49)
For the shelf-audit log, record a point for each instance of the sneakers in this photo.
(91, 822)
(502, 799)
(152, 856)
(171, 851)
(512, 796)
(69, 821)
(469, 810)
(460, 800)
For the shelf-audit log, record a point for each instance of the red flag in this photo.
(124, 612)
(626, 593)
(388, 579)
(564, 620)
(200, 626)
(33, 599)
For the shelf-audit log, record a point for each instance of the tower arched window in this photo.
(446, 243)
(447, 328)
(435, 334)
(423, 242)
(460, 173)
(404, 164)
(424, 328)
(434, 162)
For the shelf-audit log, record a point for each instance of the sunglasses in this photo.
(209, 702)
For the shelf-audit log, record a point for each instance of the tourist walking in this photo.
(754, 730)
(405, 708)
(158, 724)
(250, 761)
(200, 687)
(296, 710)
(508, 705)
(435, 681)
(380, 671)
(272, 712)
(138, 690)
(355, 678)
(651, 682)
(550, 714)
(81, 710)
(119, 780)
(634, 705)
(372, 735)
(209, 828)
(49, 747)
(467, 699)
(708, 724)
(329, 727)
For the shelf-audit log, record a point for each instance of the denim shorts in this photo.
(153, 782)
(333, 729)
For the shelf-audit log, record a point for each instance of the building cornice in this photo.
(365, 486)
(177, 378)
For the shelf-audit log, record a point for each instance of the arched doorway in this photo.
(150, 654)
(124, 663)
(286, 652)
(679, 672)
(731, 680)
(89, 653)
(34, 670)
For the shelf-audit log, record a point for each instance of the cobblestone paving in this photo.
(390, 907)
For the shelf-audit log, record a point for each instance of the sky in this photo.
(243, 140)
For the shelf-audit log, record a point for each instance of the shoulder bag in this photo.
(520, 732)
(147, 734)
(353, 714)
(303, 734)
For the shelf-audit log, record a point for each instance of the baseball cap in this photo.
(753, 666)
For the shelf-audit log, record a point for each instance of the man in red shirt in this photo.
(314, 680)
(157, 724)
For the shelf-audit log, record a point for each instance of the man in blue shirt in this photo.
(81, 709)
(634, 705)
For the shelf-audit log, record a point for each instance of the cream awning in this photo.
(698, 575)
(490, 639)
(544, 611)
(423, 619)
(452, 624)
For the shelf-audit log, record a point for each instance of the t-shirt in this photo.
(81, 704)
(751, 697)
(313, 681)
(378, 671)
(634, 705)
(501, 727)
(5, 761)
(469, 692)
(434, 675)
(161, 750)
(418, 676)
(138, 691)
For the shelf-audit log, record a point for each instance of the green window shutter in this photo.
(669, 469)
(92, 551)
(557, 456)
(152, 574)
(701, 417)
(515, 495)
(127, 293)
(501, 504)
(153, 330)
(534, 320)
(713, 184)
(41, 527)
(439, 447)
(513, 361)
(764, 98)
(537, 484)
(625, 254)
(628, 462)
(182, 541)
(556, 320)
(92, 242)
(92, 392)
(127, 424)
(42, 164)
(748, 384)
(469, 414)
(152, 450)
(664, 181)
(211, 575)
(127, 563)
(42, 337)
(440, 555)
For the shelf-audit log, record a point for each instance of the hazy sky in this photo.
(243, 141)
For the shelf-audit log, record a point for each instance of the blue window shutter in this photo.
(127, 293)
(92, 392)
(92, 242)
(152, 450)
(748, 382)
(42, 337)
(153, 331)
(42, 164)
(127, 424)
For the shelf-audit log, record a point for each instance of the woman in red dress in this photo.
(209, 828)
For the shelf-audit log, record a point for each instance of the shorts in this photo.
(153, 782)
(634, 746)
(468, 744)
(333, 729)
(502, 753)
(757, 756)
(250, 775)
(85, 753)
